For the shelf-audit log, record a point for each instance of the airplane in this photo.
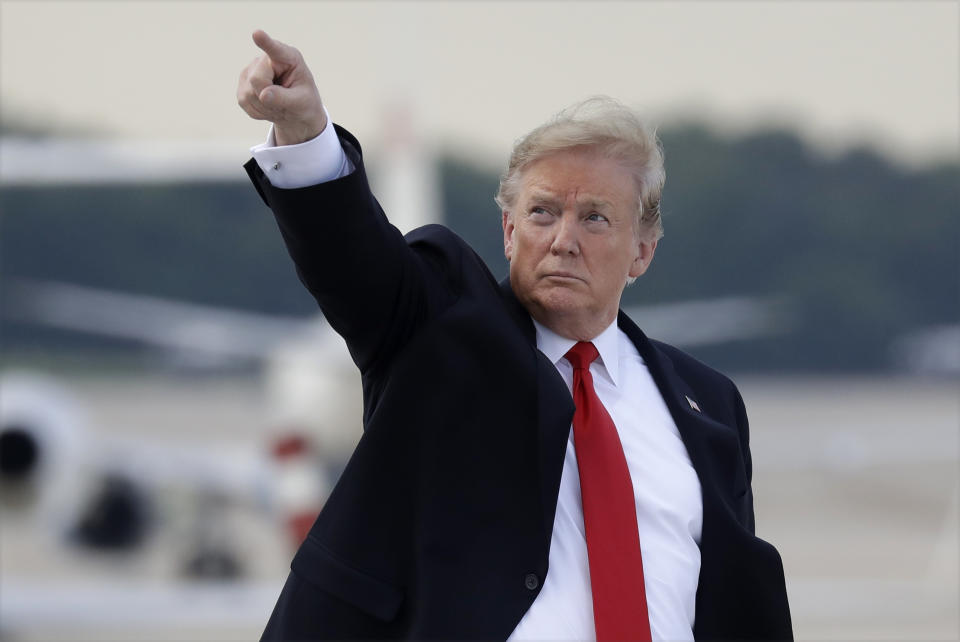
(100, 494)
(312, 387)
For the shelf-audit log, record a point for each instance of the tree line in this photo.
(860, 249)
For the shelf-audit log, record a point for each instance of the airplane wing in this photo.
(227, 334)
(186, 328)
(711, 321)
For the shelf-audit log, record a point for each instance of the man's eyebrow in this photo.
(598, 203)
(543, 195)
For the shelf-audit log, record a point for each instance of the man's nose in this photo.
(566, 241)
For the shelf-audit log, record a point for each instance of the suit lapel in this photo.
(714, 452)
(554, 411)
(554, 416)
(706, 440)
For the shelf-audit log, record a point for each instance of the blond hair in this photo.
(603, 124)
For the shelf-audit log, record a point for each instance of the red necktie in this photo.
(609, 512)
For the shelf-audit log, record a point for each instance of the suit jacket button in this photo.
(531, 581)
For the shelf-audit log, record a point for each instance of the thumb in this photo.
(291, 101)
(277, 51)
(273, 96)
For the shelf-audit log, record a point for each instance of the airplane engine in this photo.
(47, 473)
(19, 453)
(42, 444)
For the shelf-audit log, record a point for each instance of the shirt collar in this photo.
(555, 347)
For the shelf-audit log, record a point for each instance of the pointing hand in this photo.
(278, 86)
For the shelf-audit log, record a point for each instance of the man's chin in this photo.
(559, 301)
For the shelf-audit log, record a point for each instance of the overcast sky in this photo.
(478, 74)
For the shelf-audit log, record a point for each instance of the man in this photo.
(532, 466)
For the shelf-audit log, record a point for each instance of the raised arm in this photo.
(372, 287)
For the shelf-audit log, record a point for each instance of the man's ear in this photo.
(640, 264)
(507, 234)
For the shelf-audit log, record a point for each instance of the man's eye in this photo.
(599, 218)
(539, 210)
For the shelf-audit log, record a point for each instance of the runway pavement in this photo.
(855, 480)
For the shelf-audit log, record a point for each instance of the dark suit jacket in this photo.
(440, 525)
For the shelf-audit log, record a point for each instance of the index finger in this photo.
(276, 50)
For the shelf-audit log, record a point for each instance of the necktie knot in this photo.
(582, 355)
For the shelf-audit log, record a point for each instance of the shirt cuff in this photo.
(315, 161)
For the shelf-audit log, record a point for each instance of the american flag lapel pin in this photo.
(693, 404)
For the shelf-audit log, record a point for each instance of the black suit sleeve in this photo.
(373, 289)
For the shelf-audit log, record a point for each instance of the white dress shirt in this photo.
(667, 493)
(665, 484)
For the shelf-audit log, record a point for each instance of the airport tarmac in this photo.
(855, 481)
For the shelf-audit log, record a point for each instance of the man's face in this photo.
(572, 240)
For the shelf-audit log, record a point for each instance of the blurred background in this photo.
(174, 411)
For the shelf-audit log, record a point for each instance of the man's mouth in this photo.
(563, 275)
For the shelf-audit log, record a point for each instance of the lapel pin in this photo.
(693, 404)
